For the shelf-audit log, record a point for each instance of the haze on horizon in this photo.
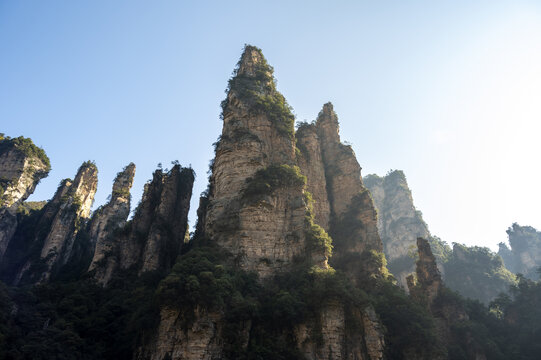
(449, 93)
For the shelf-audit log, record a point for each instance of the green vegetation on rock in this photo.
(259, 92)
(26, 146)
(267, 180)
(477, 273)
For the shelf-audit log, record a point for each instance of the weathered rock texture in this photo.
(75, 200)
(474, 272)
(336, 341)
(399, 223)
(256, 211)
(263, 229)
(524, 256)
(427, 288)
(107, 220)
(177, 340)
(22, 166)
(353, 215)
(427, 284)
(153, 239)
(310, 162)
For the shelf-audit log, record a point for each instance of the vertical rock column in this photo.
(108, 219)
(311, 164)
(160, 222)
(353, 216)
(399, 223)
(74, 209)
(166, 234)
(256, 208)
(427, 284)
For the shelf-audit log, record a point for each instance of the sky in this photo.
(447, 91)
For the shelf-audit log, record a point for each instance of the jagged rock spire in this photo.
(264, 229)
(106, 220)
(427, 284)
(159, 225)
(311, 164)
(252, 62)
(328, 126)
(73, 207)
(399, 223)
(353, 216)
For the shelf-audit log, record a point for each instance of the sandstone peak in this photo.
(327, 124)
(124, 181)
(84, 187)
(428, 283)
(327, 111)
(251, 61)
(399, 223)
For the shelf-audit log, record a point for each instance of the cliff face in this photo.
(427, 284)
(336, 340)
(353, 215)
(168, 228)
(256, 212)
(450, 316)
(310, 161)
(200, 340)
(524, 256)
(22, 166)
(474, 272)
(256, 208)
(155, 236)
(75, 200)
(105, 221)
(399, 223)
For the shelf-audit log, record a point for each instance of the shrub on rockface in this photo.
(267, 180)
(26, 146)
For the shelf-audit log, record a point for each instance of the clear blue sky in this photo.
(446, 91)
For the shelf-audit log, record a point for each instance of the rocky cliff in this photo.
(73, 202)
(265, 213)
(524, 256)
(474, 272)
(357, 245)
(256, 206)
(399, 223)
(107, 220)
(154, 237)
(425, 286)
(22, 166)
(310, 161)
(453, 326)
(261, 278)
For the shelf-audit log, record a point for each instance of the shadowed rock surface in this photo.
(22, 166)
(524, 256)
(399, 223)
(107, 220)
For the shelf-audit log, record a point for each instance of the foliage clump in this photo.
(477, 273)
(267, 180)
(77, 319)
(317, 238)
